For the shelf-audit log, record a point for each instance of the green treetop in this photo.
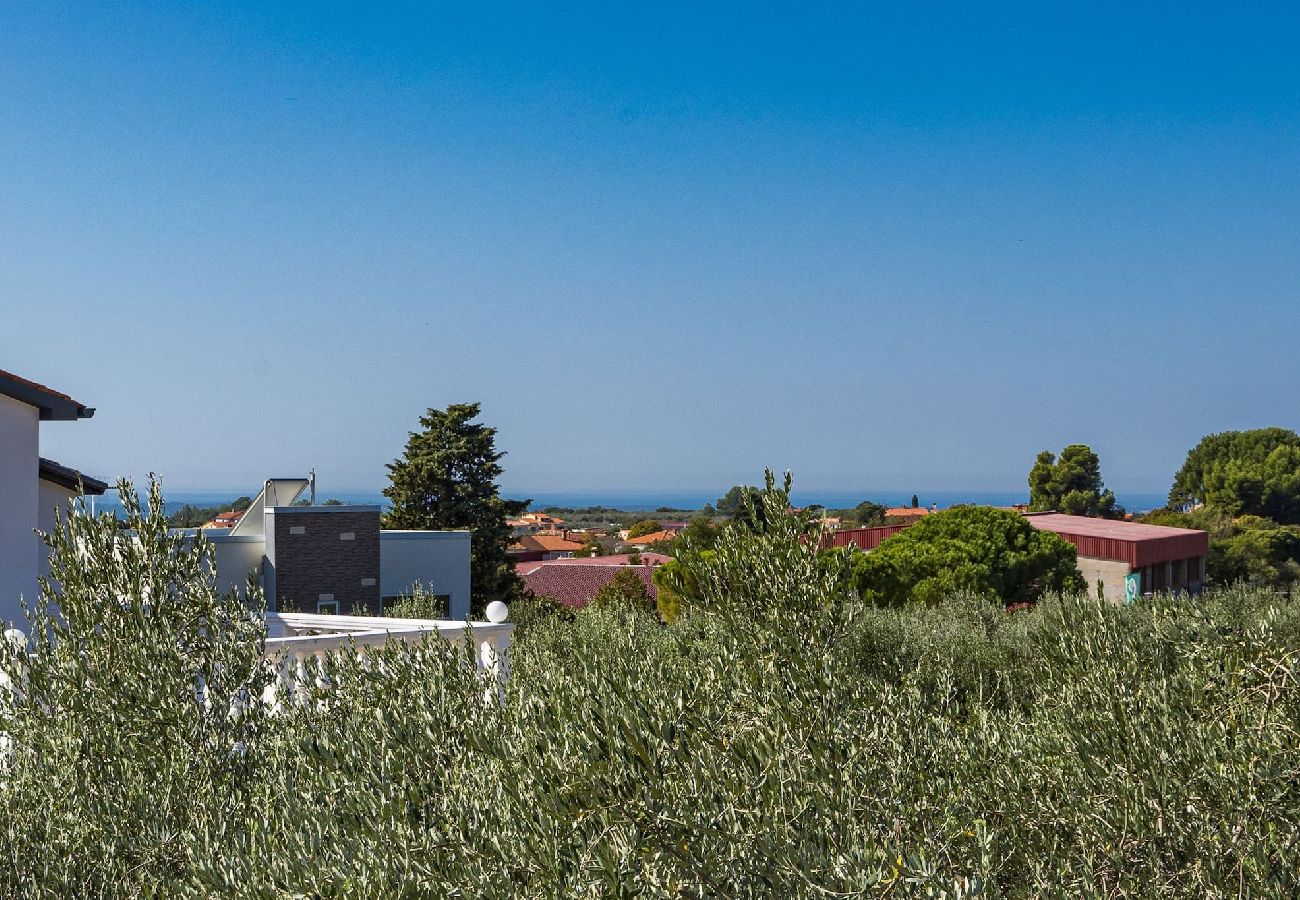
(1240, 473)
(988, 551)
(1071, 484)
(644, 527)
(447, 478)
(731, 502)
(625, 588)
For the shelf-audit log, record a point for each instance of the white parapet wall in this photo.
(300, 644)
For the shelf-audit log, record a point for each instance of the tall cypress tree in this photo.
(447, 479)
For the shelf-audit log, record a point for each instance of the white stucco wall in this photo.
(50, 497)
(237, 555)
(19, 501)
(438, 560)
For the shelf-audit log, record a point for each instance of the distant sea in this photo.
(648, 501)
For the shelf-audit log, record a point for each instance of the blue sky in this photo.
(883, 245)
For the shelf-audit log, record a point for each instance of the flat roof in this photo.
(1106, 528)
(1136, 543)
(53, 405)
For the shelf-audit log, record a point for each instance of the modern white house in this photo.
(31, 488)
(336, 559)
(309, 559)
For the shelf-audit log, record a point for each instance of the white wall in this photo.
(438, 560)
(50, 496)
(237, 555)
(19, 501)
(1110, 572)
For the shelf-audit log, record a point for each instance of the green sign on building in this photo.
(1132, 586)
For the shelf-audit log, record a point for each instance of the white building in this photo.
(31, 488)
(336, 559)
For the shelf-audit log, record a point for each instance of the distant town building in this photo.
(655, 537)
(650, 560)
(228, 519)
(1109, 552)
(544, 546)
(908, 512)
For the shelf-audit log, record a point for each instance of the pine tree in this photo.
(1071, 484)
(447, 478)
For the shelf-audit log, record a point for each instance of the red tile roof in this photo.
(551, 543)
(575, 584)
(654, 538)
(617, 559)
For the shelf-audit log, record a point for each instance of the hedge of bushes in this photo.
(789, 743)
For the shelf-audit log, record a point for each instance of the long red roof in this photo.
(1135, 543)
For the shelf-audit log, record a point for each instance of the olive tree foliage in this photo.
(136, 713)
(769, 562)
(781, 739)
(1254, 473)
(1071, 484)
(989, 552)
(418, 603)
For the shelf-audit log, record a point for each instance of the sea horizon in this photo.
(649, 501)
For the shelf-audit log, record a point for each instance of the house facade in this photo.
(31, 488)
(336, 559)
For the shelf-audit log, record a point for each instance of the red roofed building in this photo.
(576, 584)
(617, 559)
(646, 540)
(1165, 559)
(228, 519)
(907, 512)
(532, 547)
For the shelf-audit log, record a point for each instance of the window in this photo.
(327, 605)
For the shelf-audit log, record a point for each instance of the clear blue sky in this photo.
(885, 246)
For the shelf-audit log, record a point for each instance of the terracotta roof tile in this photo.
(576, 585)
(654, 538)
(551, 543)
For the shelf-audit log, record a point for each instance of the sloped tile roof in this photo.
(653, 538)
(52, 404)
(551, 543)
(576, 585)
